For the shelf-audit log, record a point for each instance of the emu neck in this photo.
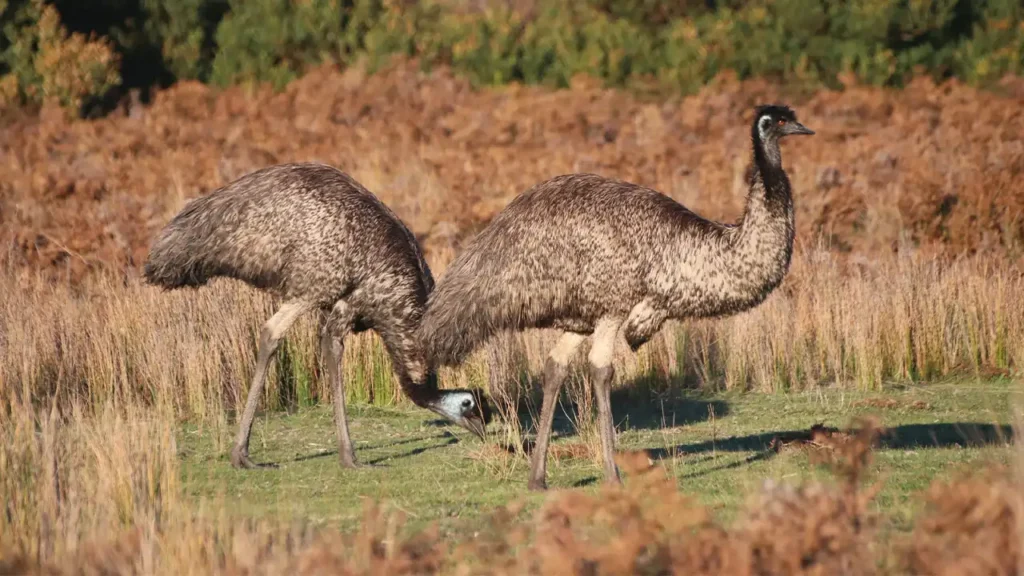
(769, 193)
(764, 238)
(767, 153)
(768, 161)
(418, 382)
(422, 395)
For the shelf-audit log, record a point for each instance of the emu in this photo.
(317, 239)
(595, 257)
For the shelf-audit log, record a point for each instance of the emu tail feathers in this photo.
(470, 304)
(180, 255)
(170, 265)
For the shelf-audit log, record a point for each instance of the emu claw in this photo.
(240, 459)
(535, 485)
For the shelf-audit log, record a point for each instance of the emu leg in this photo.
(332, 346)
(601, 370)
(555, 370)
(270, 336)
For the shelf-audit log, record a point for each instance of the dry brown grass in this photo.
(972, 526)
(936, 166)
(901, 319)
(95, 378)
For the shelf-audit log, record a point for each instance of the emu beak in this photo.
(798, 128)
(476, 427)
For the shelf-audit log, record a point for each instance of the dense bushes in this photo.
(651, 43)
(43, 61)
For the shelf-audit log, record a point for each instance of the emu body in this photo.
(600, 258)
(317, 239)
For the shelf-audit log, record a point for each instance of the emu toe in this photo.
(537, 485)
(240, 459)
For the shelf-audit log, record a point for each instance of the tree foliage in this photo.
(675, 46)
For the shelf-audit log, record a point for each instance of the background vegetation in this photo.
(118, 401)
(82, 49)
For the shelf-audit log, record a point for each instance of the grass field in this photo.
(729, 483)
(717, 448)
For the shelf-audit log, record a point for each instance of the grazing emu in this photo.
(312, 235)
(591, 256)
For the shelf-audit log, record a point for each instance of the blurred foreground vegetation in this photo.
(78, 53)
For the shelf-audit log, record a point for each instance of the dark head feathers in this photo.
(776, 111)
(774, 121)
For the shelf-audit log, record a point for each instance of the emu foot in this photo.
(240, 459)
(537, 485)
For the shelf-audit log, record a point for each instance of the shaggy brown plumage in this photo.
(315, 237)
(593, 256)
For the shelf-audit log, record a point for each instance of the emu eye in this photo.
(782, 121)
(467, 403)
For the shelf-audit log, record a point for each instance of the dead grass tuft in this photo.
(848, 451)
(971, 526)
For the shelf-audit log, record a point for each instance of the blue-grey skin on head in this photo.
(603, 260)
(468, 408)
(318, 240)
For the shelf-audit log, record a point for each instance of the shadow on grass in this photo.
(413, 452)
(904, 437)
(450, 439)
(645, 403)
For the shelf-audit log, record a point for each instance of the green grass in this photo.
(437, 473)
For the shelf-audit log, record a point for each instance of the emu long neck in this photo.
(764, 239)
(418, 382)
(773, 195)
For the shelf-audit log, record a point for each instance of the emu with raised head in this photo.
(598, 258)
(313, 236)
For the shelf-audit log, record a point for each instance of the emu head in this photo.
(774, 121)
(467, 408)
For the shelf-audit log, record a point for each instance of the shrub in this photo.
(626, 42)
(184, 31)
(275, 40)
(680, 45)
(995, 46)
(45, 63)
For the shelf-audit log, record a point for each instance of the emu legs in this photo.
(332, 347)
(601, 371)
(271, 334)
(555, 370)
